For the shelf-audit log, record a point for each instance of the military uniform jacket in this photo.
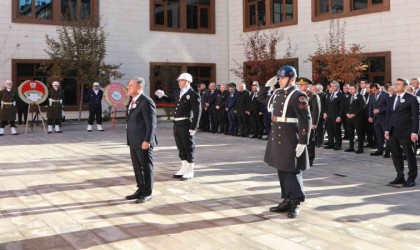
(357, 107)
(8, 111)
(284, 136)
(189, 105)
(55, 107)
(314, 106)
(95, 100)
(220, 100)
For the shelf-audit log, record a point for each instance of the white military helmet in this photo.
(185, 76)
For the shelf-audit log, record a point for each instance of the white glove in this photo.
(50, 100)
(61, 101)
(14, 104)
(299, 149)
(192, 132)
(271, 82)
(159, 93)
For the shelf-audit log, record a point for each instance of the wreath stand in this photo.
(35, 119)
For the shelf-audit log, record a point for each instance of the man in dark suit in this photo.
(334, 111)
(415, 82)
(187, 116)
(204, 119)
(367, 126)
(377, 115)
(355, 107)
(230, 102)
(255, 111)
(95, 107)
(211, 107)
(402, 131)
(240, 108)
(347, 94)
(221, 112)
(141, 137)
(321, 123)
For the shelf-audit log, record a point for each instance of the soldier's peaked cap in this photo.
(304, 80)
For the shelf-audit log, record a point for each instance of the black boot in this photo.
(284, 206)
(294, 209)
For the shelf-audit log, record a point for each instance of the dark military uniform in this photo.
(55, 107)
(8, 109)
(315, 108)
(221, 112)
(286, 132)
(187, 116)
(95, 106)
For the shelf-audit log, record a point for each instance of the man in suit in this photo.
(286, 147)
(402, 131)
(187, 116)
(415, 82)
(314, 107)
(221, 112)
(255, 111)
(95, 107)
(334, 111)
(367, 126)
(211, 107)
(204, 119)
(240, 108)
(377, 115)
(321, 123)
(347, 94)
(355, 107)
(141, 137)
(230, 103)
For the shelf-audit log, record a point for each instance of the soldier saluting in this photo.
(286, 147)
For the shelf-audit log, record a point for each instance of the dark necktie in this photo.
(397, 104)
(351, 100)
(332, 95)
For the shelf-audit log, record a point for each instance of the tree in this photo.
(261, 56)
(80, 49)
(335, 60)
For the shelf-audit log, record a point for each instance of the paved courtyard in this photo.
(66, 191)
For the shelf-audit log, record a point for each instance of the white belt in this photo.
(181, 118)
(284, 119)
(59, 100)
(8, 103)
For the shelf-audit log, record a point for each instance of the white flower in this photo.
(402, 100)
(188, 97)
(134, 106)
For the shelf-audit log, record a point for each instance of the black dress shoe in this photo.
(397, 181)
(284, 206)
(337, 148)
(329, 147)
(136, 195)
(349, 150)
(294, 209)
(409, 184)
(377, 153)
(144, 199)
(387, 155)
(359, 151)
(253, 136)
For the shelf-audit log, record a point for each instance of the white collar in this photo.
(137, 97)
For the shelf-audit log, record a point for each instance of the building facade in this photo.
(158, 39)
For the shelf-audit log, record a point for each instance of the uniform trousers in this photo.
(400, 145)
(311, 146)
(291, 185)
(142, 161)
(95, 112)
(54, 122)
(184, 141)
(4, 123)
